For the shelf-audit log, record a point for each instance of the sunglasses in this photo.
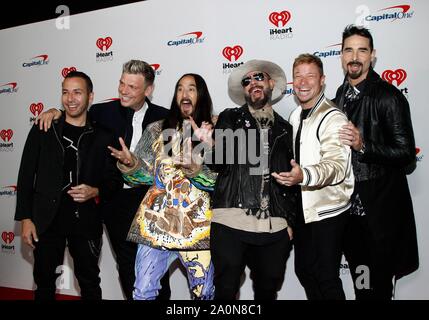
(257, 76)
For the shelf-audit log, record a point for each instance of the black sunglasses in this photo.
(257, 76)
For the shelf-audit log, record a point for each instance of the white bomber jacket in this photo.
(326, 163)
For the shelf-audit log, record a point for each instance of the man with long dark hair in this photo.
(173, 220)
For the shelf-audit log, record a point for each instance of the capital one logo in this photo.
(419, 155)
(36, 108)
(155, 66)
(6, 135)
(104, 44)
(8, 87)
(289, 89)
(194, 38)
(279, 19)
(8, 191)
(66, 71)
(37, 61)
(7, 236)
(232, 53)
(398, 75)
(392, 13)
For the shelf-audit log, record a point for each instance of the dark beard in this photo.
(355, 75)
(260, 103)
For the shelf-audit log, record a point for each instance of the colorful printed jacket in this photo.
(176, 211)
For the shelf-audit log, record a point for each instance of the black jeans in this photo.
(318, 251)
(363, 254)
(265, 254)
(49, 255)
(118, 216)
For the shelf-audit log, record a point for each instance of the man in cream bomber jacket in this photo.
(322, 167)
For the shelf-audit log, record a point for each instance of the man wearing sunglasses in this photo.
(252, 213)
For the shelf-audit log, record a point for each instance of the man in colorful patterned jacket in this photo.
(173, 220)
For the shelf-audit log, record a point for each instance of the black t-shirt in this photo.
(67, 217)
(300, 215)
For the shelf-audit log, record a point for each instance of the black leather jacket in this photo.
(40, 178)
(382, 115)
(235, 186)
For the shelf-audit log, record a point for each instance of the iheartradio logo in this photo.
(398, 75)
(7, 236)
(104, 44)
(66, 71)
(6, 134)
(279, 19)
(232, 53)
(36, 108)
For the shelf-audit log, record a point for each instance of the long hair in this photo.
(203, 108)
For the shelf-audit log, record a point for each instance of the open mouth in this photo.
(186, 105)
(72, 107)
(303, 92)
(355, 66)
(125, 99)
(256, 92)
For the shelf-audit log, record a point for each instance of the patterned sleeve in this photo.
(145, 152)
(205, 180)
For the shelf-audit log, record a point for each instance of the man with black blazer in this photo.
(127, 116)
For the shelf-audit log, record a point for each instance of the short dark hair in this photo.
(140, 67)
(352, 30)
(308, 58)
(82, 75)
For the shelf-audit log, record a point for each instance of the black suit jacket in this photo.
(119, 119)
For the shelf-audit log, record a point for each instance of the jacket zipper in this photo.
(269, 160)
(77, 166)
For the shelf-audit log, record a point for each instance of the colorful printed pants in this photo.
(152, 264)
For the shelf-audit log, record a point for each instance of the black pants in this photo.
(49, 255)
(118, 216)
(366, 258)
(265, 255)
(318, 251)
